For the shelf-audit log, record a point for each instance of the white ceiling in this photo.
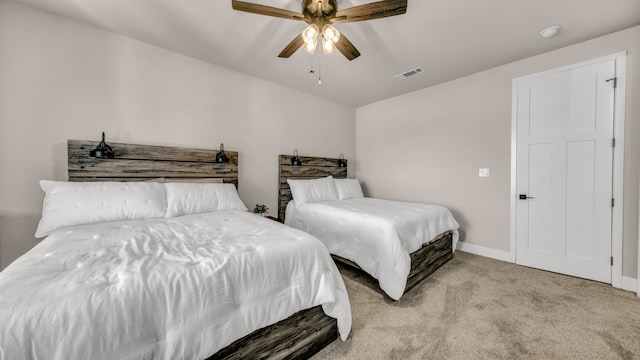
(447, 38)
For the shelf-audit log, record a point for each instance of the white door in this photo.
(564, 170)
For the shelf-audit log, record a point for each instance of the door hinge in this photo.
(613, 142)
(615, 82)
(613, 201)
(612, 261)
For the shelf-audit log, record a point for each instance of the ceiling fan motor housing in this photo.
(319, 12)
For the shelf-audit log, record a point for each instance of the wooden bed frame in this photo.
(424, 261)
(143, 162)
(299, 336)
(311, 168)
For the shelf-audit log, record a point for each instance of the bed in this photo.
(164, 269)
(397, 243)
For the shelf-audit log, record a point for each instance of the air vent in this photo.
(409, 73)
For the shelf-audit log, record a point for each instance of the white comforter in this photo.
(175, 288)
(376, 234)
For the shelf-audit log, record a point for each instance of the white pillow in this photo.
(193, 198)
(76, 203)
(310, 191)
(348, 189)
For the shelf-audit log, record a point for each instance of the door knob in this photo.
(525, 197)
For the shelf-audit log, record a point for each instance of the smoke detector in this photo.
(551, 31)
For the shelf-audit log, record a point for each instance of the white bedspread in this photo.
(376, 234)
(175, 288)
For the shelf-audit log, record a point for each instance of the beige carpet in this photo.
(478, 308)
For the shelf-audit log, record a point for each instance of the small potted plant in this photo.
(261, 209)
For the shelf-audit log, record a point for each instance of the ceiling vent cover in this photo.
(409, 73)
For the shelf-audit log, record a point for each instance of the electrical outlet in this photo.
(483, 172)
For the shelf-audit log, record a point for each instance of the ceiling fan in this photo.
(320, 14)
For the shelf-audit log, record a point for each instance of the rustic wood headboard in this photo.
(311, 168)
(140, 162)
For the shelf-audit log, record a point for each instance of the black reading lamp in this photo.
(221, 156)
(295, 160)
(342, 162)
(102, 151)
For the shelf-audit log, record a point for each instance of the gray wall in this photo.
(428, 145)
(60, 79)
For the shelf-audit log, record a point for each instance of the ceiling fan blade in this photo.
(375, 10)
(294, 45)
(346, 48)
(265, 10)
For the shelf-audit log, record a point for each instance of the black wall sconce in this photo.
(102, 151)
(342, 162)
(221, 156)
(295, 160)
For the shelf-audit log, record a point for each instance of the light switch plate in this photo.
(483, 172)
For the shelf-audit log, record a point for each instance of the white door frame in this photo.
(618, 161)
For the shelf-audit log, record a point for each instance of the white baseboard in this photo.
(629, 284)
(485, 251)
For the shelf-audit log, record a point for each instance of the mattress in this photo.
(172, 288)
(377, 234)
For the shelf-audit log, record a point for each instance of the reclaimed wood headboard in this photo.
(311, 168)
(140, 162)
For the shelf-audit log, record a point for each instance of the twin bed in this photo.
(142, 260)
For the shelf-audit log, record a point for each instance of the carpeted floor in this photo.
(479, 308)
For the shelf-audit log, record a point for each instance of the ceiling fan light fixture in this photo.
(330, 33)
(330, 37)
(310, 37)
(328, 46)
(310, 47)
